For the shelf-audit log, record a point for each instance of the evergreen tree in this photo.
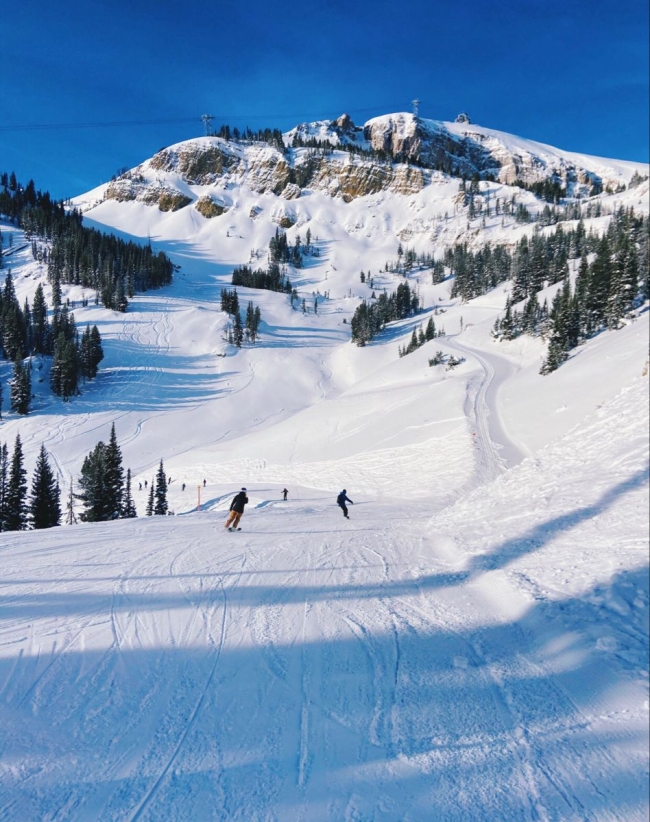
(113, 477)
(128, 511)
(12, 322)
(150, 500)
(92, 484)
(4, 484)
(599, 286)
(41, 342)
(160, 497)
(21, 388)
(44, 505)
(90, 352)
(70, 517)
(16, 496)
(65, 367)
(237, 330)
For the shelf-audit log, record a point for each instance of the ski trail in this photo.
(498, 450)
(149, 795)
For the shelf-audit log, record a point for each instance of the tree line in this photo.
(103, 489)
(238, 331)
(114, 268)
(371, 318)
(535, 260)
(28, 331)
(607, 288)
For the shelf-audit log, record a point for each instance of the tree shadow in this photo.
(411, 712)
(536, 537)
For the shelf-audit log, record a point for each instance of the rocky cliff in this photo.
(397, 153)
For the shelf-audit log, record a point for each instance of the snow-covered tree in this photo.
(160, 498)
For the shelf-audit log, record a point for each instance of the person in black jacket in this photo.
(236, 510)
(341, 500)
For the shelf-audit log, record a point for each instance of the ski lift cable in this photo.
(175, 121)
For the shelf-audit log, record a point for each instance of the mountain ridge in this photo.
(398, 153)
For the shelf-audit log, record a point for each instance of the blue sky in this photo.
(573, 74)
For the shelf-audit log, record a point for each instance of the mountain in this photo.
(475, 639)
(339, 158)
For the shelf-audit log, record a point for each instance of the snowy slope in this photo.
(472, 644)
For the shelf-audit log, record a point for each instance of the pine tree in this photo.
(4, 483)
(70, 516)
(113, 477)
(160, 505)
(237, 330)
(128, 510)
(92, 484)
(149, 509)
(599, 286)
(558, 349)
(65, 367)
(44, 505)
(21, 388)
(41, 335)
(16, 497)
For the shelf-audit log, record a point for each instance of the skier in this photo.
(183, 487)
(284, 494)
(341, 500)
(236, 511)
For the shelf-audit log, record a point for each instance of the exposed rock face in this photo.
(291, 192)
(397, 134)
(410, 147)
(197, 164)
(167, 199)
(208, 207)
(264, 170)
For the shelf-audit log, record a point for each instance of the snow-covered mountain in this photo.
(358, 163)
(471, 645)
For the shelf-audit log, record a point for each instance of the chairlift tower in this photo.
(207, 122)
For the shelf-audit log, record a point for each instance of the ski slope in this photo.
(486, 662)
(471, 645)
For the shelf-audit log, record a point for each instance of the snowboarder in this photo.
(341, 500)
(284, 494)
(236, 510)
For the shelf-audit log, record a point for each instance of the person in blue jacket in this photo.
(341, 500)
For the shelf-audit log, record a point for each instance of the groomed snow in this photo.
(471, 645)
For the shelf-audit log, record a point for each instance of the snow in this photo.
(472, 644)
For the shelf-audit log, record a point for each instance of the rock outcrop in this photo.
(395, 153)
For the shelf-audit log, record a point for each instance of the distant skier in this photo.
(183, 487)
(284, 494)
(236, 510)
(341, 500)
(204, 483)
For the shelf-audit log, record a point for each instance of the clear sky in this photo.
(571, 73)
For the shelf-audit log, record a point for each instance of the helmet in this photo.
(243, 489)
(344, 491)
